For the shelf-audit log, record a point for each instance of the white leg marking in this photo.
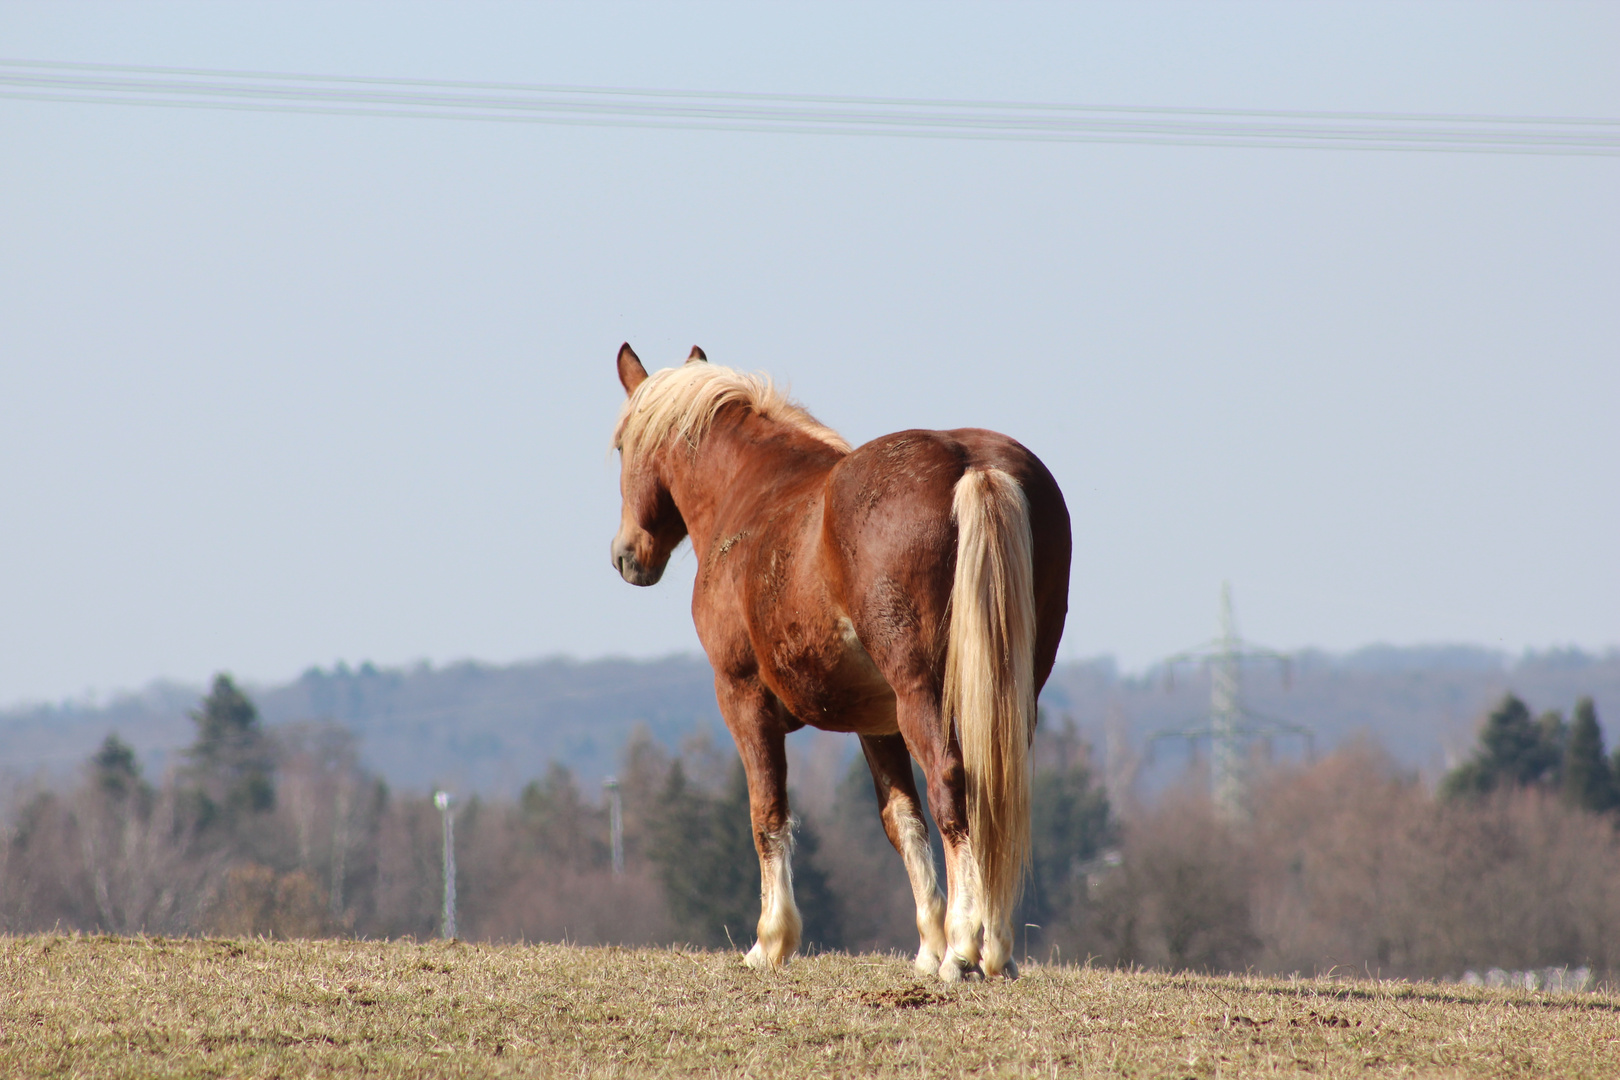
(962, 925)
(913, 833)
(779, 922)
(998, 946)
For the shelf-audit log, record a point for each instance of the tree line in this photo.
(1516, 751)
(1348, 862)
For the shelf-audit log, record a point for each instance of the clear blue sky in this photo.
(279, 390)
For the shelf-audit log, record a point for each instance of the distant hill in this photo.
(1422, 704)
(492, 728)
(477, 726)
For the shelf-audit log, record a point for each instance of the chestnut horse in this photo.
(911, 591)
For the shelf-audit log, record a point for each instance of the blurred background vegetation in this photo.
(1509, 859)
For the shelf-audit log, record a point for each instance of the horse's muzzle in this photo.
(630, 568)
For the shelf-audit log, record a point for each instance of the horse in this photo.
(911, 591)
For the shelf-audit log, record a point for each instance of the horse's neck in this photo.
(704, 481)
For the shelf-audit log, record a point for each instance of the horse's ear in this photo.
(631, 373)
(695, 355)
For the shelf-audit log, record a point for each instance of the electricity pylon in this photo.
(1231, 726)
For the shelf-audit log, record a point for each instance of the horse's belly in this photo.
(841, 689)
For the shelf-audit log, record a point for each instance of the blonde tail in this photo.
(989, 692)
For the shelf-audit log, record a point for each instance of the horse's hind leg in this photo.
(941, 761)
(751, 712)
(890, 762)
(964, 922)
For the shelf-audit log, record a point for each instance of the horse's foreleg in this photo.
(751, 715)
(901, 811)
(779, 926)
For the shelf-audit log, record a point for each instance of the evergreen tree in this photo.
(709, 867)
(643, 776)
(1068, 825)
(1510, 744)
(856, 819)
(559, 823)
(1514, 751)
(1552, 744)
(1589, 780)
(819, 906)
(232, 762)
(855, 808)
(115, 771)
(706, 861)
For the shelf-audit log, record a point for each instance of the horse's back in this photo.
(891, 542)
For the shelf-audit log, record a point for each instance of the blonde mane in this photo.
(683, 401)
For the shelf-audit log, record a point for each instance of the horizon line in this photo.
(96, 698)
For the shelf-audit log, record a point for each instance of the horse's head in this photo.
(650, 525)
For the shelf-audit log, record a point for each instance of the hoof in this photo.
(756, 959)
(954, 969)
(927, 961)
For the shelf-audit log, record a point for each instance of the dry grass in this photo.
(89, 1007)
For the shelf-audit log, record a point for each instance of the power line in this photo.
(749, 96)
(282, 92)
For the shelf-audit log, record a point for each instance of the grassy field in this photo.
(89, 1007)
